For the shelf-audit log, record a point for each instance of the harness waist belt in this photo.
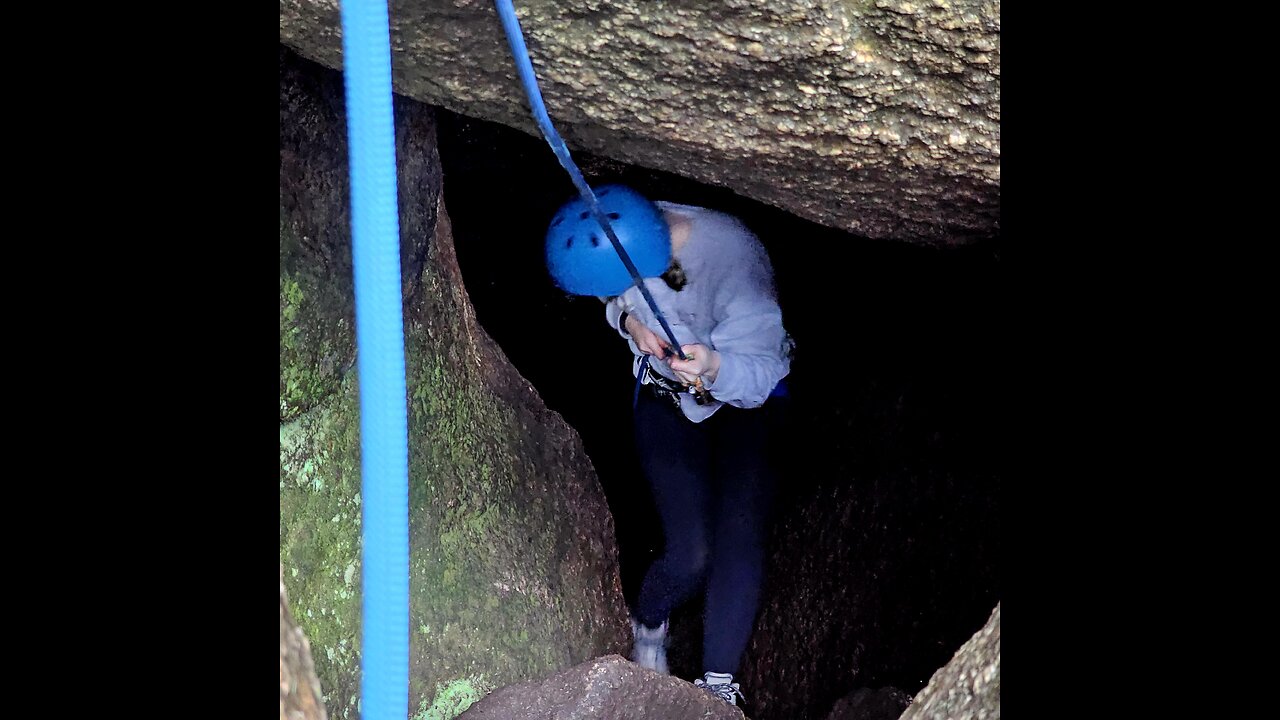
(662, 381)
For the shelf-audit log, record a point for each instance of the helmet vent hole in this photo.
(558, 221)
(584, 215)
(604, 192)
(595, 241)
(614, 216)
(569, 243)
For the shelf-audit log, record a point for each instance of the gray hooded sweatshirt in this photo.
(728, 304)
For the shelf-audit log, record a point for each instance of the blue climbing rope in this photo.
(384, 448)
(520, 53)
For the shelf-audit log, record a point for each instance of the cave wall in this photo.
(877, 117)
(513, 570)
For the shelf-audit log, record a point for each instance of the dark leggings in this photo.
(713, 485)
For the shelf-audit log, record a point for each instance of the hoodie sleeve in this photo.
(613, 310)
(748, 334)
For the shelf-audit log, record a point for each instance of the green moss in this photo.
(477, 580)
(320, 537)
(453, 699)
(484, 550)
(316, 327)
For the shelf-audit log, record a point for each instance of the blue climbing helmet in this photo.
(580, 257)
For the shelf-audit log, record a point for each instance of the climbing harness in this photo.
(666, 388)
(520, 53)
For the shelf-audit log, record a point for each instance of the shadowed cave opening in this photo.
(890, 516)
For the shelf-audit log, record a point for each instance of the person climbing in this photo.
(703, 424)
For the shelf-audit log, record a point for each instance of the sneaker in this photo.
(650, 650)
(721, 685)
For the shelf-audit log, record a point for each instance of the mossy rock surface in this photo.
(513, 568)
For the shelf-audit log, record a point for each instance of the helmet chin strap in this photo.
(507, 12)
